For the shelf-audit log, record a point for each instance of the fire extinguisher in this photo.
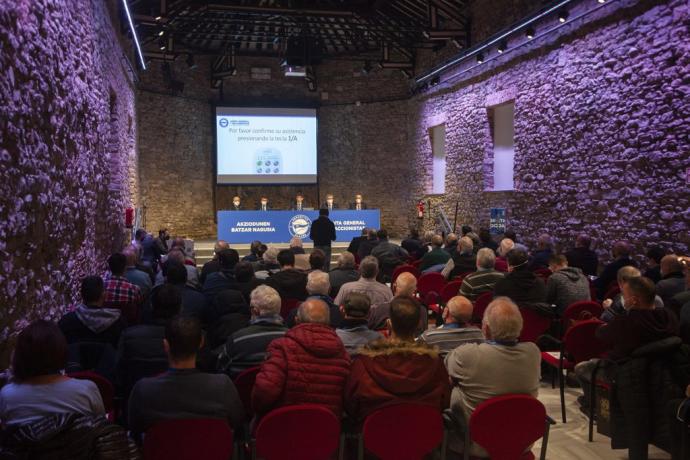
(129, 217)
(420, 209)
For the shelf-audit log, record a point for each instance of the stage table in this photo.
(281, 226)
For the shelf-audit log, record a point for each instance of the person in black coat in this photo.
(329, 204)
(520, 285)
(299, 204)
(582, 257)
(289, 282)
(263, 205)
(621, 256)
(322, 233)
(223, 279)
(357, 240)
(358, 202)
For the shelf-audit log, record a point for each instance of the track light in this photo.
(161, 33)
(563, 16)
(158, 18)
(480, 58)
(529, 33)
(601, 1)
(161, 44)
(502, 47)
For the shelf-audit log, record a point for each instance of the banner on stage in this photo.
(497, 224)
(281, 226)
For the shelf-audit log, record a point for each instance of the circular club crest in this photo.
(299, 226)
(223, 122)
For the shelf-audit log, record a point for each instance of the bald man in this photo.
(405, 286)
(456, 329)
(308, 365)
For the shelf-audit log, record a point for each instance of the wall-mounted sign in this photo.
(497, 224)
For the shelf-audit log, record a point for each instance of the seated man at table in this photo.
(329, 203)
(236, 203)
(263, 204)
(183, 392)
(299, 204)
(358, 204)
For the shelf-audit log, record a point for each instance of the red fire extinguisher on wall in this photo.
(420, 209)
(129, 217)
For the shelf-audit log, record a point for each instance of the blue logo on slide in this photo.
(299, 226)
(223, 122)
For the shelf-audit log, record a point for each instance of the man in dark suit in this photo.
(357, 240)
(329, 203)
(322, 234)
(263, 204)
(358, 203)
(299, 204)
(236, 203)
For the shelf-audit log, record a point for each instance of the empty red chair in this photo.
(244, 382)
(450, 290)
(579, 344)
(480, 305)
(402, 432)
(533, 325)
(404, 268)
(520, 419)
(430, 282)
(189, 439)
(287, 305)
(576, 311)
(300, 432)
(105, 388)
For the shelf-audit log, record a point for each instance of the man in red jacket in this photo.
(397, 370)
(309, 365)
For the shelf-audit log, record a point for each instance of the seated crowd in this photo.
(172, 339)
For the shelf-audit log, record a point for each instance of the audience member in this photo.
(183, 392)
(389, 255)
(582, 256)
(317, 260)
(456, 329)
(540, 257)
(134, 275)
(344, 272)
(499, 366)
(672, 278)
(621, 256)
(322, 233)
(654, 255)
(397, 370)
(356, 241)
(213, 265)
(230, 313)
(510, 234)
(175, 255)
(319, 287)
(462, 261)
(91, 322)
(247, 347)
(301, 258)
(476, 242)
(566, 285)
(147, 248)
(437, 256)
(254, 252)
(120, 293)
(405, 286)
(615, 307)
(246, 281)
(451, 243)
(38, 388)
(503, 249)
(486, 240)
(289, 282)
(193, 302)
(367, 245)
(353, 330)
(367, 284)
(484, 279)
(413, 245)
(268, 264)
(307, 366)
(224, 278)
(161, 243)
(642, 324)
(521, 285)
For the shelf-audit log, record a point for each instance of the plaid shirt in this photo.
(121, 294)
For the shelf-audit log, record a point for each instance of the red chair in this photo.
(579, 344)
(300, 432)
(432, 300)
(189, 439)
(533, 325)
(402, 432)
(105, 388)
(287, 305)
(405, 268)
(462, 276)
(612, 292)
(430, 282)
(244, 382)
(480, 305)
(577, 311)
(450, 290)
(520, 419)
(543, 273)
(416, 263)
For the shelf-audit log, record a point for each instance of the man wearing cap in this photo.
(353, 330)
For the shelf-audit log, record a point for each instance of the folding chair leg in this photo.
(561, 383)
(341, 446)
(444, 445)
(468, 444)
(592, 397)
(545, 441)
(553, 378)
(360, 447)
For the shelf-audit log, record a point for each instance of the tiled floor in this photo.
(569, 441)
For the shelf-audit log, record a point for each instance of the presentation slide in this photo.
(265, 146)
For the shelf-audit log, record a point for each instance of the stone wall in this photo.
(601, 137)
(67, 154)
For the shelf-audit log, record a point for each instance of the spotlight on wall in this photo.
(158, 18)
(190, 62)
(601, 1)
(480, 58)
(529, 33)
(161, 33)
(502, 47)
(162, 44)
(562, 16)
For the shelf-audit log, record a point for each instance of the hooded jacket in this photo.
(521, 286)
(92, 324)
(308, 365)
(393, 372)
(567, 286)
(625, 333)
